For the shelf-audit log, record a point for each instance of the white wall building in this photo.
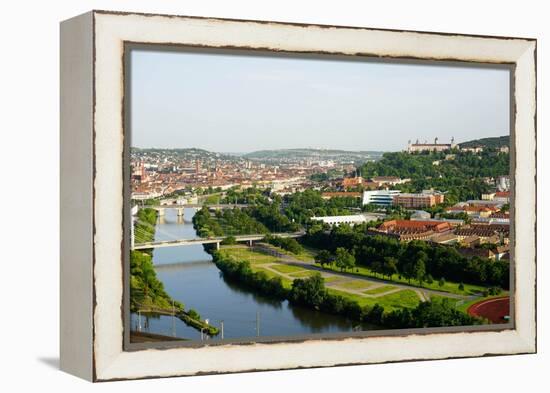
(351, 219)
(379, 197)
(503, 183)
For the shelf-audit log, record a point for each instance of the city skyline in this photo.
(219, 103)
(238, 153)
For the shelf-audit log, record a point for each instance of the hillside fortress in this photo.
(419, 147)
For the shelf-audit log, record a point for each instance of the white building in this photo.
(420, 147)
(379, 197)
(503, 183)
(351, 219)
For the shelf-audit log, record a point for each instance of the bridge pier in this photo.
(160, 211)
(217, 245)
(250, 243)
(180, 211)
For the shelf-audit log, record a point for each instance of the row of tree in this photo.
(226, 222)
(286, 243)
(418, 260)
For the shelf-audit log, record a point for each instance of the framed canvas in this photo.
(245, 195)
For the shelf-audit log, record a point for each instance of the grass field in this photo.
(355, 284)
(287, 268)
(303, 274)
(286, 282)
(382, 289)
(244, 253)
(406, 298)
(306, 255)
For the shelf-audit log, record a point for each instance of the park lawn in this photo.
(286, 282)
(451, 287)
(303, 274)
(283, 268)
(305, 256)
(244, 253)
(377, 290)
(212, 200)
(406, 298)
(355, 284)
(308, 255)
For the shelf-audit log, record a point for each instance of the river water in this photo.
(190, 276)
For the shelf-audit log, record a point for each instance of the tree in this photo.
(408, 271)
(419, 271)
(461, 287)
(440, 312)
(344, 259)
(310, 291)
(377, 267)
(194, 314)
(441, 282)
(229, 240)
(390, 266)
(323, 258)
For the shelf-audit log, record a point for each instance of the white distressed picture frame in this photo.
(92, 203)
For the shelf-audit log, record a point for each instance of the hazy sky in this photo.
(229, 103)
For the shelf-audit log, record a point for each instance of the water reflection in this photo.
(190, 276)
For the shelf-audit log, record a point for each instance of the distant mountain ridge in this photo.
(270, 155)
(311, 153)
(491, 142)
(191, 152)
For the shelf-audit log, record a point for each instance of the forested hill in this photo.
(492, 142)
(462, 174)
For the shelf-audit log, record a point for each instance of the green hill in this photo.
(314, 154)
(492, 142)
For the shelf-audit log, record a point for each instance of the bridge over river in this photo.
(180, 207)
(211, 240)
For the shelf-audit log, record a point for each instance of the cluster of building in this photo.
(418, 147)
(426, 198)
(158, 173)
(390, 197)
(450, 232)
(478, 222)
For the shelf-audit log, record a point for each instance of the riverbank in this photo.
(185, 316)
(147, 293)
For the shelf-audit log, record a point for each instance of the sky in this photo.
(242, 103)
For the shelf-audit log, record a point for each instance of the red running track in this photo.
(493, 309)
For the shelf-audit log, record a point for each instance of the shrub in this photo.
(194, 314)
(229, 240)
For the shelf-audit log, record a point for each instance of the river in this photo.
(190, 276)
